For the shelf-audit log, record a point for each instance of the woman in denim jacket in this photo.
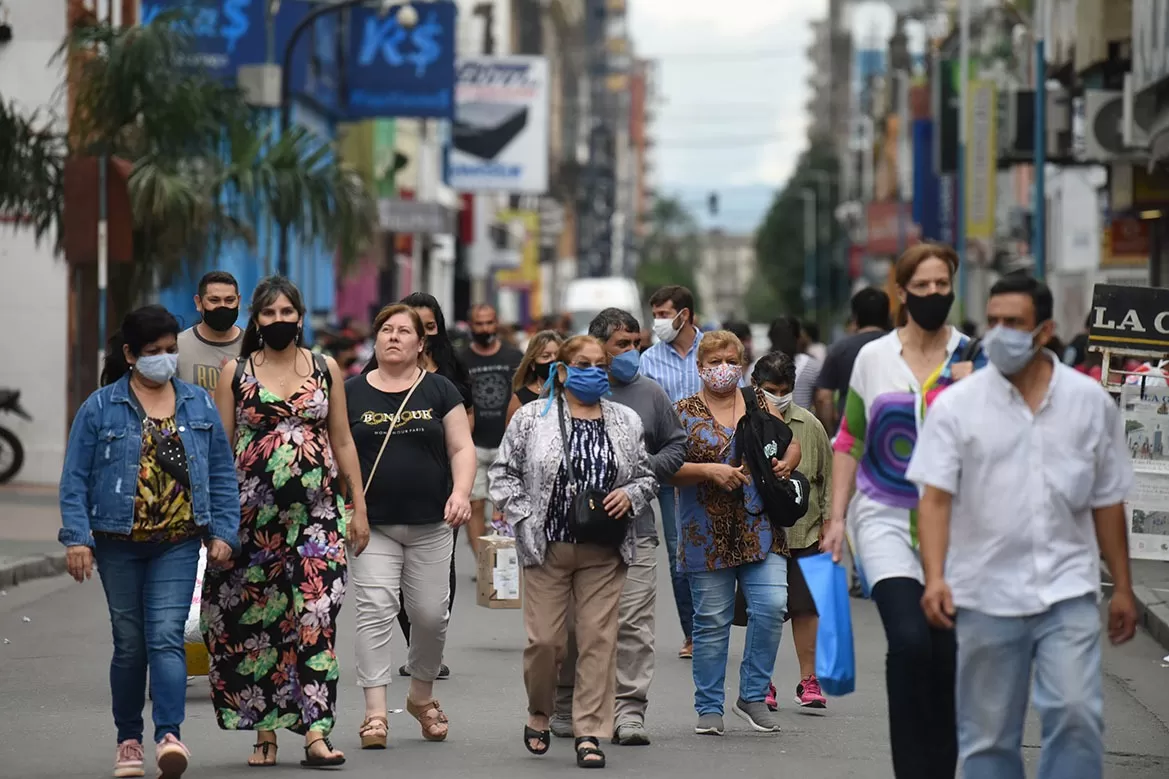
(148, 479)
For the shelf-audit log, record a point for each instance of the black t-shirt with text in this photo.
(836, 372)
(491, 388)
(413, 479)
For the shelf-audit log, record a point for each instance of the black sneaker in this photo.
(443, 672)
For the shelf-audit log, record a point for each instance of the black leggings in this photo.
(403, 620)
(919, 678)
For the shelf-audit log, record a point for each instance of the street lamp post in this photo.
(406, 18)
(963, 118)
(1039, 223)
(809, 196)
(823, 239)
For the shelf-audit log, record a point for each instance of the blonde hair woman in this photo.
(534, 369)
(575, 444)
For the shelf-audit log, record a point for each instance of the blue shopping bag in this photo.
(835, 659)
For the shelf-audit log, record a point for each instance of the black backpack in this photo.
(759, 437)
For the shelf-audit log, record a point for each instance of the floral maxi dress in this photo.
(269, 618)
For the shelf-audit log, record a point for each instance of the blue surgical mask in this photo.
(589, 385)
(624, 366)
(1009, 349)
(159, 368)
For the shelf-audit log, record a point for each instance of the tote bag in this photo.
(835, 658)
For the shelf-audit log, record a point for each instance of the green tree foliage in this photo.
(206, 167)
(670, 252)
(779, 242)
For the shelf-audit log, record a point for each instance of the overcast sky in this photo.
(733, 83)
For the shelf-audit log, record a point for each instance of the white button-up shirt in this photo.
(1022, 535)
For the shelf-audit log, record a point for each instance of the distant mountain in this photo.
(740, 209)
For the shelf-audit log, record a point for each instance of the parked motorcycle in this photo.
(11, 450)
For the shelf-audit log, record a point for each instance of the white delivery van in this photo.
(585, 298)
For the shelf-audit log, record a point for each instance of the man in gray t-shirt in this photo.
(212, 343)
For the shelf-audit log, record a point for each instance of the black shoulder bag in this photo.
(587, 518)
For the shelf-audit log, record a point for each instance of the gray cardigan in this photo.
(521, 478)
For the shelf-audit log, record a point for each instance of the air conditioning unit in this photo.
(1135, 121)
(1113, 129)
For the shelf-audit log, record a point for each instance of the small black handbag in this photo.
(587, 519)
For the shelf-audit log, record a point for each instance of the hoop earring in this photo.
(299, 332)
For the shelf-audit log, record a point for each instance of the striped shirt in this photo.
(676, 374)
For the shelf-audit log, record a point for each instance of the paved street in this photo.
(53, 673)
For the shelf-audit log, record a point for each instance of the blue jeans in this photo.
(681, 582)
(764, 586)
(148, 589)
(996, 656)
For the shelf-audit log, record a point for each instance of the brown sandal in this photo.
(374, 740)
(266, 760)
(430, 716)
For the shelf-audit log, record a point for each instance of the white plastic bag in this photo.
(191, 633)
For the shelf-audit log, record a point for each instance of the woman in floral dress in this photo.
(269, 617)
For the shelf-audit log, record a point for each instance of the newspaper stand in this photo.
(1131, 322)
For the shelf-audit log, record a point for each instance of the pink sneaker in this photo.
(770, 700)
(809, 695)
(129, 759)
(172, 757)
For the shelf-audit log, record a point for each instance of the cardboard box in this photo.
(499, 573)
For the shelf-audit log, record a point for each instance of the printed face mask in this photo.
(721, 378)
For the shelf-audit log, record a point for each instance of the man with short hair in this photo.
(492, 365)
(666, 443)
(673, 363)
(215, 339)
(1025, 473)
(870, 312)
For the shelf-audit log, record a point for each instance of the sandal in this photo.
(583, 753)
(544, 737)
(320, 761)
(371, 738)
(431, 717)
(264, 747)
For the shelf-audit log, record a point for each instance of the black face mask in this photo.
(278, 335)
(220, 319)
(483, 339)
(542, 370)
(929, 311)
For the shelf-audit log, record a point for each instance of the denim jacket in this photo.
(99, 481)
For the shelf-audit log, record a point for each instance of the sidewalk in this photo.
(29, 519)
(1150, 583)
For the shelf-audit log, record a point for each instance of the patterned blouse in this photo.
(595, 466)
(162, 506)
(715, 530)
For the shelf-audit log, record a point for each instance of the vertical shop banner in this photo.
(947, 209)
(395, 71)
(981, 160)
(527, 276)
(925, 180)
(946, 98)
(501, 126)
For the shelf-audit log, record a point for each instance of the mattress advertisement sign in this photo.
(500, 138)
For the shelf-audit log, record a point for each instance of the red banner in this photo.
(885, 223)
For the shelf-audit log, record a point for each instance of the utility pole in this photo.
(1039, 222)
(809, 196)
(963, 119)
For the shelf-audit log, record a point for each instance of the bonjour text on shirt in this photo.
(1022, 534)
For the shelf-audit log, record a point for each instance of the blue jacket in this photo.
(99, 480)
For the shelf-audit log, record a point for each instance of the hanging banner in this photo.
(501, 126)
(981, 161)
(396, 71)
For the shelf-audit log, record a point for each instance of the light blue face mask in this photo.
(624, 366)
(159, 368)
(1009, 349)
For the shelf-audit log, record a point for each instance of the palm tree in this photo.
(204, 167)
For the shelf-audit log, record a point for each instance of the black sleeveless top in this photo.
(526, 396)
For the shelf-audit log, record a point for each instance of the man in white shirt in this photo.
(1025, 473)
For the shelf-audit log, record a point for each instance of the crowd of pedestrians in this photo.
(922, 452)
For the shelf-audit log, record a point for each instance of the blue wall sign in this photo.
(227, 33)
(399, 71)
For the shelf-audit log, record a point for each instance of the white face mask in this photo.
(781, 402)
(665, 331)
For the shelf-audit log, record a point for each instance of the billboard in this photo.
(399, 71)
(981, 161)
(500, 141)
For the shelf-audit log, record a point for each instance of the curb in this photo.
(1152, 608)
(37, 567)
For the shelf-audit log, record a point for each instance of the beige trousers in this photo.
(592, 577)
(635, 642)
